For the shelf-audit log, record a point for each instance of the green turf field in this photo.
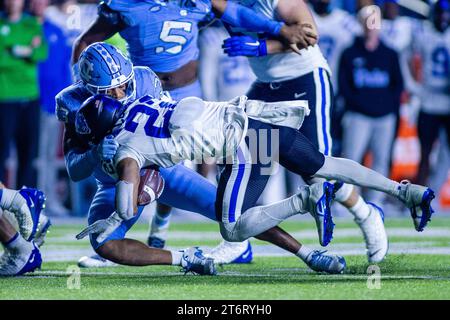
(417, 268)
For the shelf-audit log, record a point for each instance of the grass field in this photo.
(418, 267)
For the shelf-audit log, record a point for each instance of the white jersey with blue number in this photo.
(161, 133)
(434, 48)
(283, 66)
(337, 32)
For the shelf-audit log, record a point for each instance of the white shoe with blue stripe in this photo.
(194, 261)
(18, 263)
(418, 199)
(95, 261)
(319, 205)
(232, 252)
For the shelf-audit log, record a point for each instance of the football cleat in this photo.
(418, 199)
(156, 242)
(95, 261)
(18, 263)
(232, 252)
(374, 234)
(42, 230)
(26, 207)
(319, 205)
(194, 261)
(322, 261)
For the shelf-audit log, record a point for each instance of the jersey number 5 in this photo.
(167, 37)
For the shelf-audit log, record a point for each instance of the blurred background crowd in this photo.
(392, 111)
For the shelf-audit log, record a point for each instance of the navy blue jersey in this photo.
(160, 35)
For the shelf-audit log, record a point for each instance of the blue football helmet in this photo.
(104, 67)
(97, 118)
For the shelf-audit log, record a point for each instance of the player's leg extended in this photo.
(317, 89)
(187, 190)
(120, 250)
(20, 256)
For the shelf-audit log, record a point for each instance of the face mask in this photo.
(321, 7)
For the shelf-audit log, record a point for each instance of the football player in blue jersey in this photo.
(21, 253)
(103, 69)
(163, 35)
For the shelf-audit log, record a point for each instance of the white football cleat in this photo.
(418, 199)
(95, 261)
(194, 261)
(322, 261)
(375, 236)
(319, 206)
(42, 230)
(232, 252)
(15, 263)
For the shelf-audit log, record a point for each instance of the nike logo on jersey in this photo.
(299, 95)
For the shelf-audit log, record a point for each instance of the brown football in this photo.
(151, 186)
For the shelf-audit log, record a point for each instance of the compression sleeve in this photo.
(240, 16)
(80, 165)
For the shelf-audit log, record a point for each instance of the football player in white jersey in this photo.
(285, 75)
(397, 33)
(152, 132)
(433, 46)
(337, 29)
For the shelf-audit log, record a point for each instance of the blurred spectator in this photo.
(371, 83)
(22, 46)
(54, 75)
(433, 46)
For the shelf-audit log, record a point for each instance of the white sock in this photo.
(360, 210)
(344, 192)
(304, 253)
(176, 258)
(17, 244)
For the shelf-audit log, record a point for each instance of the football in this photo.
(151, 186)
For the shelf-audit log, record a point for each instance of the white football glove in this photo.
(103, 227)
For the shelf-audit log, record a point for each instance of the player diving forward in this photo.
(21, 252)
(152, 132)
(163, 36)
(184, 188)
(283, 75)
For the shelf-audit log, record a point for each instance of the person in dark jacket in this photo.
(371, 83)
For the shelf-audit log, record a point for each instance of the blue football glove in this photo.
(245, 46)
(107, 149)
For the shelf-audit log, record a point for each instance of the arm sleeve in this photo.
(80, 162)
(240, 16)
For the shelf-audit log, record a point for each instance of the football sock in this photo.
(360, 210)
(161, 219)
(176, 257)
(256, 220)
(17, 243)
(352, 172)
(344, 192)
(303, 253)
